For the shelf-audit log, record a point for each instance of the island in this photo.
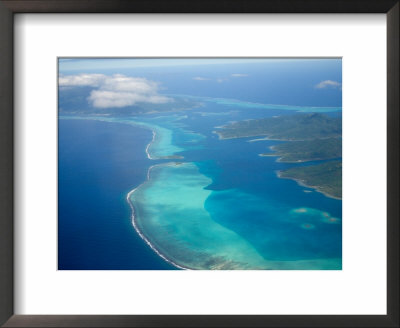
(302, 126)
(307, 150)
(309, 136)
(75, 102)
(171, 157)
(325, 178)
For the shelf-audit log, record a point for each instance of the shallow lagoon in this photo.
(170, 212)
(186, 223)
(220, 205)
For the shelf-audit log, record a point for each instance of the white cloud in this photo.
(92, 80)
(116, 90)
(107, 99)
(328, 84)
(239, 75)
(199, 78)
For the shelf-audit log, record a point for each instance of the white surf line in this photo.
(149, 144)
(134, 223)
(139, 232)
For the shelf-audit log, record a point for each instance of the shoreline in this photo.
(131, 197)
(130, 193)
(131, 123)
(279, 160)
(149, 144)
(137, 229)
(257, 104)
(303, 184)
(133, 217)
(149, 156)
(220, 137)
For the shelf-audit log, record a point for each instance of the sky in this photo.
(72, 64)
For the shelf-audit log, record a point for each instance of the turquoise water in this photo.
(246, 104)
(170, 212)
(159, 147)
(160, 191)
(215, 204)
(179, 217)
(98, 164)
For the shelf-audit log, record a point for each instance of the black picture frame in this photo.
(10, 7)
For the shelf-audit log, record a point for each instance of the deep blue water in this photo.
(98, 164)
(234, 164)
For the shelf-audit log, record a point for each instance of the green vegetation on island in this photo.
(311, 136)
(325, 178)
(308, 150)
(286, 127)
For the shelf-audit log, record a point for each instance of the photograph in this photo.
(208, 163)
(181, 163)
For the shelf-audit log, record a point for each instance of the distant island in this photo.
(75, 102)
(171, 157)
(308, 150)
(286, 127)
(199, 164)
(325, 178)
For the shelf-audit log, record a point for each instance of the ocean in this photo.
(98, 164)
(197, 201)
